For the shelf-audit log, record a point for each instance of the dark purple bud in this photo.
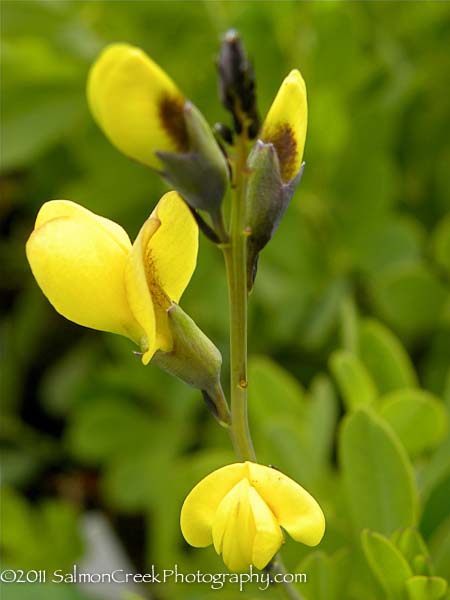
(237, 86)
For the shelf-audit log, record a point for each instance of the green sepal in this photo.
(200, 175)
(195, 360)
(267, 199)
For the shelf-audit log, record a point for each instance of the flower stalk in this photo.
(235, 255)
(235, 260)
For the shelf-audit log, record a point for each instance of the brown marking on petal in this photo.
(283, 139)
(172, 119)
(159, 297)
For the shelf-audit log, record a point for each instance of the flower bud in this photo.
(266, 201)
(237, 85)
(144, 114)
(285, 124)
(136, 104)
(195, 360)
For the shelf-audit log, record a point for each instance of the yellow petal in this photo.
(136, 104)
(138, 290)
(234, 528)
(268, 535)
(286, 122)
(294, 508)
(159, 268)
(79, 264)
(173, 247)
(100, 71)
(200, 506)
(245, 531)
(66, 208)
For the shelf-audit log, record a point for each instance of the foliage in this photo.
(350, 322)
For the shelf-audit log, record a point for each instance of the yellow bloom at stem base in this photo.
(241, 509)
(92, 275)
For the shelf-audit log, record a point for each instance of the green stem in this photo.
(219, 225)
(277, 568)
(235, 259)
(235, 254)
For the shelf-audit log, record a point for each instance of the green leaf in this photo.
(65, 381)
(320, 584)
(45, 536)
(106, 427)
(291, 429)
(417, 417)
(410, 543)
(447, 389)
(441, 243)
(421, 565)
(387, 563)
(32, 125)
(324, 314)
(436, 507)
(349, 330)
(378, 477)
(436, 469)
(326, 576)
(272, 390)
(440, 547)
(354, 381)
(410, 298)
(320, 423)
(426, 588)
(277, 412)
(396, 241)
(385, 357)
(123, 485)
(284, 442)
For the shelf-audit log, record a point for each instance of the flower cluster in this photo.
(92, 274)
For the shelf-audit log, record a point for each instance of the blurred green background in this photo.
(349, 320)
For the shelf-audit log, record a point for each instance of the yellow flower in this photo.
(92, 275)
(241, 508)
(136, 104)
(143, 113)
(285, 124)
